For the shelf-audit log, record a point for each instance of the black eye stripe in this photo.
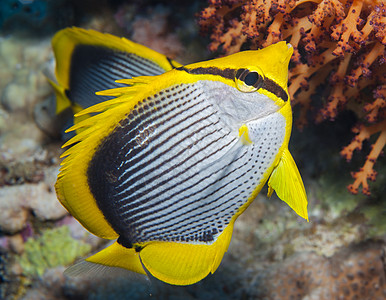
(274, 88)
(239, 73)
(228, 73)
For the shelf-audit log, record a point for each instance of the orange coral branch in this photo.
(367, 172)
(364, 68)
(300, 74)
(339, 45)
(375, 108)
(231, 39)
(348, 28)
(302, 24)
(337, 97)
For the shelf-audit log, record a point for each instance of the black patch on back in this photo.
(124, 242)
(95, 68)
(103, 173)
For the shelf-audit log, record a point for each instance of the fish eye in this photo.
(248, 81)
(251, 78)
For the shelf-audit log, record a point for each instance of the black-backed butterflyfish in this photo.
(167, 165)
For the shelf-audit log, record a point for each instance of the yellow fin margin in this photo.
(170, 262)
(72, 187)
(184, 264)
(62, 102)
(288, 185)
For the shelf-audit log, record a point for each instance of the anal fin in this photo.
(117, 255)
(184, 263)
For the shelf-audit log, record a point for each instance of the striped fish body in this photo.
(168, 165)
(179, 172)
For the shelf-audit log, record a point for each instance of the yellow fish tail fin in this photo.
(287, 182)
(171, 262)
(119, 256)
(62, 102)
(183, 263)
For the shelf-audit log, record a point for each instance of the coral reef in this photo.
(355, 273)
(38, 198)
(272, 252)
(55, 247)
(339, 55)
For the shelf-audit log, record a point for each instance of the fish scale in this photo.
(143, 158)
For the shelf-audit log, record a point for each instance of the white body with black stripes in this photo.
(180, 172)
(169, 163)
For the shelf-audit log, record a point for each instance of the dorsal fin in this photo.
(72, 185)
(124, 99)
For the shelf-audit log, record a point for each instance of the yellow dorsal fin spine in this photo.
(126, 92)
(125, 102)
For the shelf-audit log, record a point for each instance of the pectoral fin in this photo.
(288, 185)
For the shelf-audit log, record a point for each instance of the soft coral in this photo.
(339, 42)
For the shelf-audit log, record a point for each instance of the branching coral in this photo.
(339, 54)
